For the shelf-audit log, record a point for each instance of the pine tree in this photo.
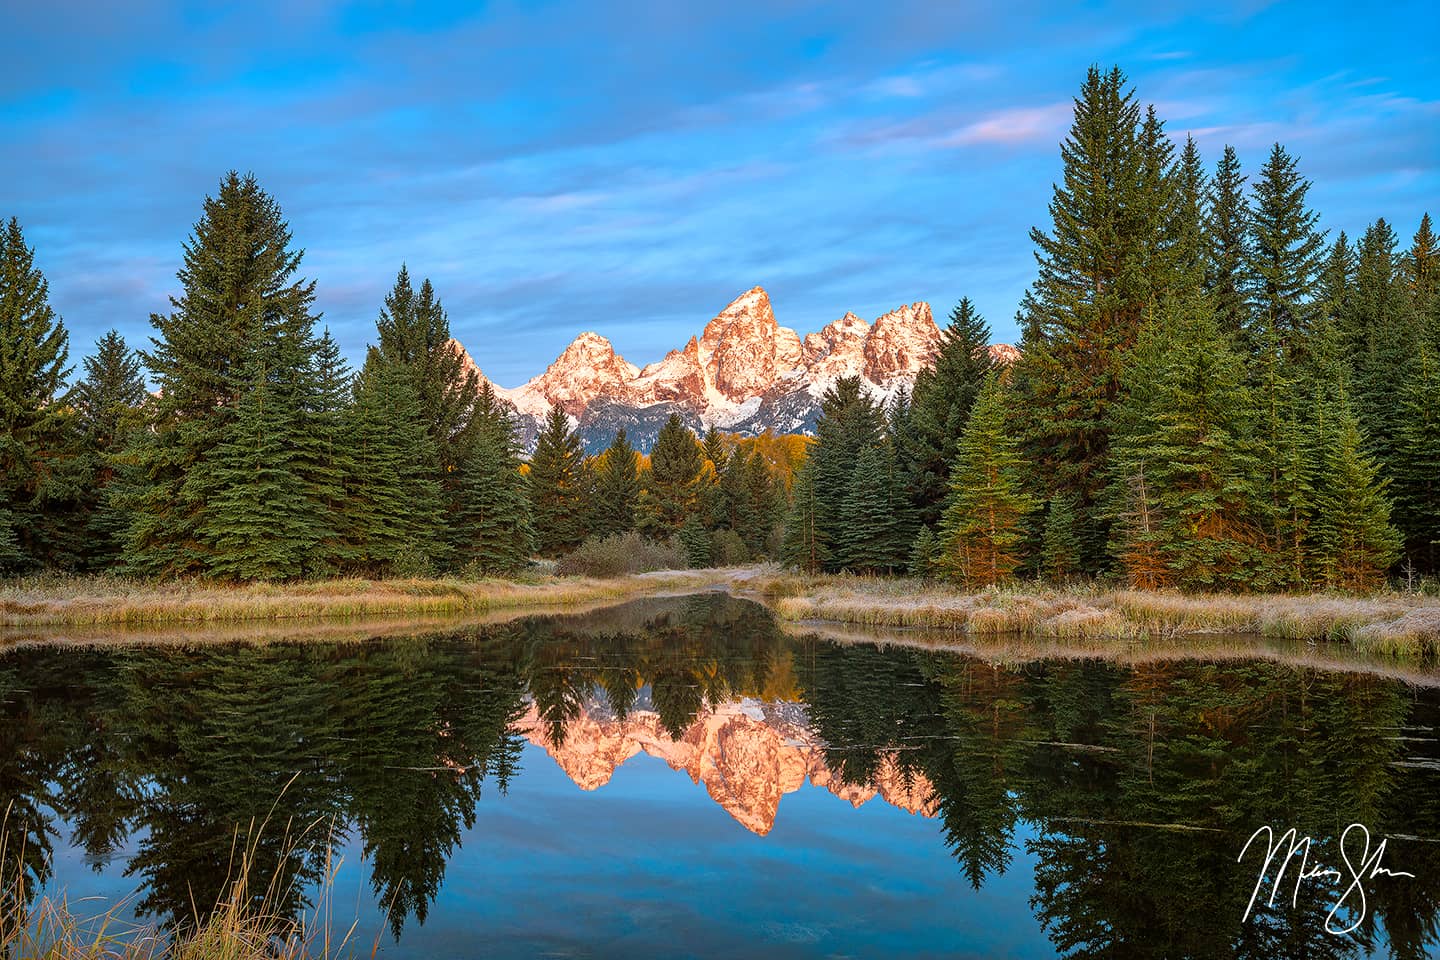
(494, 513)
(239, 296)
(557, 486)
(394, 508)
(803, 546)
(1384, 332)
(849, 423)
(1285, 254)
(37, 433)
(1422, 279)
(940, 406)
(1155, 215)
(1335, 287)
(326, 393)
(763, 502)
(617, 488)
(1416, 470)
(869, 542)
(260, 524)
(925, 554)
(111, 391)
(1096, 285)
(695, 540)
(717, 449)
(1354, 541)
(108, 400)
(1060, 547)
(982, 533)
(671, 490)
(1192, 189)
(1191, 435)
(1227, 231)
(414, 333)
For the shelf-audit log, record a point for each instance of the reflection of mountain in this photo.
(747, 754)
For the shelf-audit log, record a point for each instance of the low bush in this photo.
(619, 554)
(727, 549)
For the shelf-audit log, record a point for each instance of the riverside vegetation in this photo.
(1213, 395)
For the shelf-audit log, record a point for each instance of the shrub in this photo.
(727, 549)
(619, 554)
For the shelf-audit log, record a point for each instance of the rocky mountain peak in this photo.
(587, 369)
(744, 373)
(900, 343)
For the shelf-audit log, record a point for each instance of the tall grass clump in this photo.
(620, 554)
(249, 921)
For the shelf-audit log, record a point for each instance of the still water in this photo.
(684, 777)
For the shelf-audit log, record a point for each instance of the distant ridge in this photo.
(744, 374)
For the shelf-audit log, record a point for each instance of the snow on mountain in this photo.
(745, 373)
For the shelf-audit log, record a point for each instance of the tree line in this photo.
(1211, 394)
(261, 455)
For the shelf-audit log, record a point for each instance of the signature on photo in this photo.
(1287, 847)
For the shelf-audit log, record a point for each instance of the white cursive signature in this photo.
(1366, 868)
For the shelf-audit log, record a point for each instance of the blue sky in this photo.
(630, 168)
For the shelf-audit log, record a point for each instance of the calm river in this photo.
(686, 778)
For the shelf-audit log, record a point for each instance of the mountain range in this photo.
(743, 374)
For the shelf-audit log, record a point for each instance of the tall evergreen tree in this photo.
(1416, 468)
(261, 521)
(617, 488)
(1354, 541)
(557, 486)
(326, 394)
(1384, 332)
(804, 546)
(1192, 436)
(239, 296)
(849, 423)
(1335, 288)
(1096, 284)
(1422, 278)
(717, 449)
(1227, 232)
(940, 406)
(1285, 253)
(414, 333)
(494, 512)
(1192, 189)
(982, 534)
(109, 400)
(36, 429)
(671, 490)
(1060, 547)
(394, 508)
(871, 540)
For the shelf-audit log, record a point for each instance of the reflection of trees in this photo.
(1142, 785)
(1138, 785)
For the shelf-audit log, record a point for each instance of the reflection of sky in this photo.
(630, 167)
(649, 865)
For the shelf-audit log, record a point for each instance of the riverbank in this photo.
(1404, 625)
(90, 601)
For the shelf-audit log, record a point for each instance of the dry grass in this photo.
(247, 923)
(53, 600)
(1394, 624)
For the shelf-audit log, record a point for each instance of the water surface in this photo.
(684, 778)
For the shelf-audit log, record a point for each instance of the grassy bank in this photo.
(76, 601)
(1395, 624)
